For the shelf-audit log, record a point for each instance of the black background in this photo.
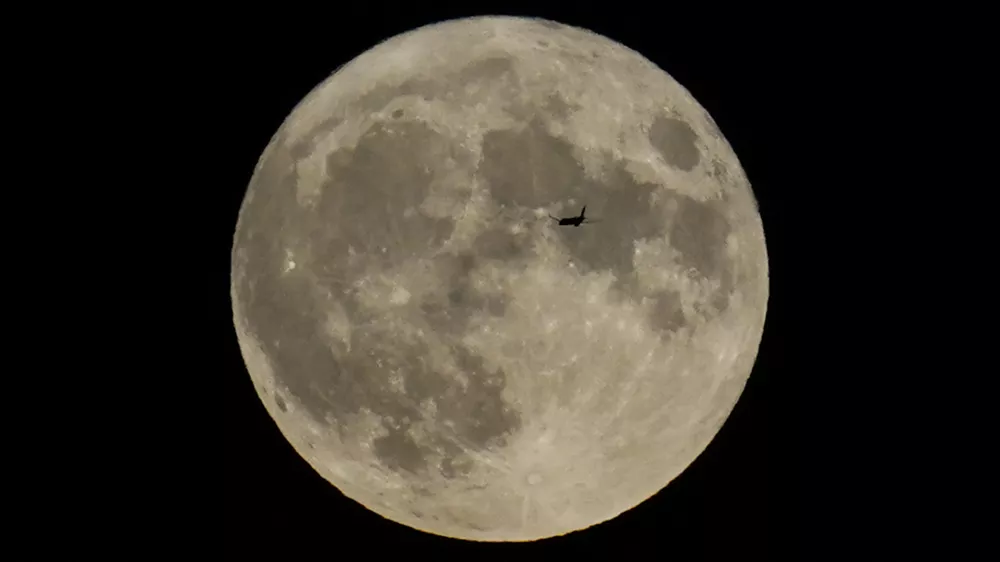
(752, 494)
(856, 130)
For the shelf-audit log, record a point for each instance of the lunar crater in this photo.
(676, 142)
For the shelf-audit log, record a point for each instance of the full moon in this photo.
(437, 347)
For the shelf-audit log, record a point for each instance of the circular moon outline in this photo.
(440, 350)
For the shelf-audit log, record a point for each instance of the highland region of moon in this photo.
(440, 350)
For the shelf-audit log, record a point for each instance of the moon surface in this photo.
(440, 350)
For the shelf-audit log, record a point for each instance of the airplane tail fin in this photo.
(583, 211)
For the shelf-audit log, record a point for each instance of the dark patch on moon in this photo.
(305, 145)
(380, 96)
(477, 413)
(458, 265)
(371, 198)
(481, 411)
(675, 140)
(471, 300)
(627, 215)
(280, 403)
(502, 245)
(529, 168)
(496, 305)
(487, 69)
(330, 387)
(441, 318)
(699, 231)
(718, 170)
(397, 114)
(463, 296)
(454, 463)
(369, 204)
(666, 315)
(398, 452)
(361, 377)
(558, 107)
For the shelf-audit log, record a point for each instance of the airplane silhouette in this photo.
(574, 221)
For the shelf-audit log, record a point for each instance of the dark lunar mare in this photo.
(531, 168)
(367, 207)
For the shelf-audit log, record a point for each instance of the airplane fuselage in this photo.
(573, 221)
